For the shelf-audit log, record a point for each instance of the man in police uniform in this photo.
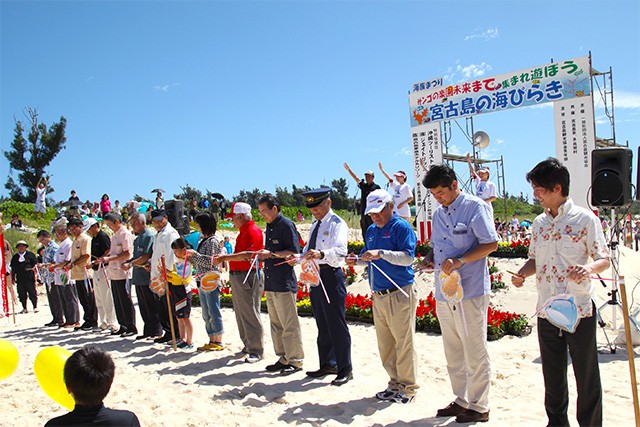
(328, 246)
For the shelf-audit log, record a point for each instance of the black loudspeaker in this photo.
(176, 216)
(611, 176)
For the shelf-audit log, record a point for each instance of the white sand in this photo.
(193, 388)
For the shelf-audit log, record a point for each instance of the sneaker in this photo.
(86, 327)
(188, 346)
(181, 344)
(252, 358)
(401, 398)
(387, 394)
(210, 346)
(290, 369)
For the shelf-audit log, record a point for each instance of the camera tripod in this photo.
(613, 302)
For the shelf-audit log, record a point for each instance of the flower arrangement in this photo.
(355, 247)
(517, 248)
(350, 274)
(360, 306)
(495, 276)
(422, 248)
(499, 323)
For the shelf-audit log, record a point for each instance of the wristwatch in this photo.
(461, 260)
(321, 255)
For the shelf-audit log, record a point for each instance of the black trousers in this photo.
(55, 302)
(148, 305)
(69, 299)
(365, 222)
(163, 312)
(334, 340)
(125, 312)
(87, 301)
(27, 289)
(584, 358)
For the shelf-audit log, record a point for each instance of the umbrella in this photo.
(217, 196)
(525, 223)
(72, 203)
(134, 204)
(158, 190)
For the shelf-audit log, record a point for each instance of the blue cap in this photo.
(316, 196)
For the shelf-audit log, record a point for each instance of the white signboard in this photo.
(427, 146)
(575, 140)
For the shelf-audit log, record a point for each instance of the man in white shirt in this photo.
(564, 239)
(162, 248)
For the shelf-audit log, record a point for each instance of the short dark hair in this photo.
(549, 173)
(207, 223)
(74, 221)
(180, 243)
(113, 217)
(270, 200)
(43, 233)
(439, 176)
(88, 374)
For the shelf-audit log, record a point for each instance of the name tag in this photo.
(460, 228)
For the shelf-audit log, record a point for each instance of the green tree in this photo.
(250, 197)
(188, 193)
(285, 197)
(30, 157)
(339, 196)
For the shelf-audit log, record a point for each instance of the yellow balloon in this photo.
(8, 359)
(49, 369)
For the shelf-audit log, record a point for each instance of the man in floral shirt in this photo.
(563, 239)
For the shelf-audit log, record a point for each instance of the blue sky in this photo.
(237, 95)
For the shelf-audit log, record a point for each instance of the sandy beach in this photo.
(190, 388)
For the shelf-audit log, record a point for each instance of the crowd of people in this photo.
(84, 267)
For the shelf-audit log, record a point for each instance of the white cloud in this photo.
(469, 72)
(500, 141)
(165, 88)
(454, 149)
(405, 151)
(623, 99)
(488, 34)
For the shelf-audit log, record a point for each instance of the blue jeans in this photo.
(210, 302)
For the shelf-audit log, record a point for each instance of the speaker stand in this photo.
(613, 302)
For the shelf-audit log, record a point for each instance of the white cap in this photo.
(88, 223)
(376, 201)
(240, 208)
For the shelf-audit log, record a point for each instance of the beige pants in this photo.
(394, 316)
(467, 356)
(246, 306)
(285, 327)
(104, 300)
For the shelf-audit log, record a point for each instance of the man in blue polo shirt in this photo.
(281, 286)
(390, 246)
(463, 235)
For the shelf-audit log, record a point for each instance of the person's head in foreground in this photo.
(442, 182)
(88, 374)
(379, 207)
(550, 182)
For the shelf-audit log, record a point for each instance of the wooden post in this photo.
(630, 352)
(166, 292)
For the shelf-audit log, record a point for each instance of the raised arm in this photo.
(384, 172)
(471, 169)
(353, 175)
